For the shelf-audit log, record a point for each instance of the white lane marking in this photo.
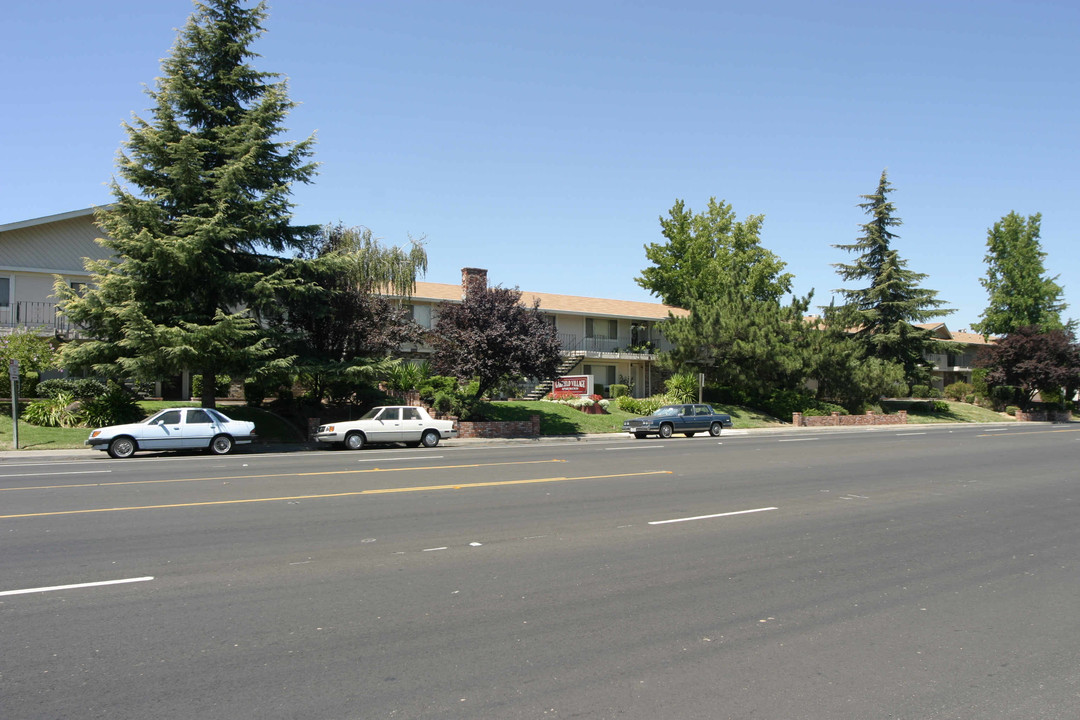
(386, 459)
(710, 517)
(434, 549)
(638, 447)
(77, 586)
(997, 429)
(49, 474)
(908, 434)
(799, 440)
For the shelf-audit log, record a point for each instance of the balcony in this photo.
(601, 347)
(40, 316)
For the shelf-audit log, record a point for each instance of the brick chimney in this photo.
(473, 280)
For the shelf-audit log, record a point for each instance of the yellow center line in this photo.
(1028, 432)
(274, 475)
(382, 491)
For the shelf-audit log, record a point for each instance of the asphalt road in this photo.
(897, 573)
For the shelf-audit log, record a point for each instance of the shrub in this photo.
(77, 387)
(221, 386)
(56, 411)
(643, 406)
(936, 393)
(824, 409)
(1012, 410)
(117, 406)
(682, 387)
(443, 402)
(940, 406)
(618, 390)
(920, 391)
(958, 390)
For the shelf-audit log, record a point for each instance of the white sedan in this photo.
(388, 424)
(174, 429)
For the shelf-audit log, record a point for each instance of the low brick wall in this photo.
(1044, 416)
(500, 428)
(838, 420)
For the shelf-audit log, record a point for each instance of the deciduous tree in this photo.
(201, 208)
(1020, 292)
(490, 336)
(1032, 360)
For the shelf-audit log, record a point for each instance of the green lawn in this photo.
(559, 419)
(957, 412)
(555, 419)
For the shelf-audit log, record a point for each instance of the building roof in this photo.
(941, 332)
(567, 304)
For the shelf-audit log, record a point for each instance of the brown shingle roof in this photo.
(569, 304)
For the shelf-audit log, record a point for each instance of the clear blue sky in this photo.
(543, 140)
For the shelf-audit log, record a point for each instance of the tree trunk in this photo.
(209, 389)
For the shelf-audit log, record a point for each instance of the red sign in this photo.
(576, 384)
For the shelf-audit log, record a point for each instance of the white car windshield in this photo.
(370, 414)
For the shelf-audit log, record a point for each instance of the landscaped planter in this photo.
(500, 428)
(836, 419)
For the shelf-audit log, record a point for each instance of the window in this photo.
(589, 330)
(5, 292)
(390, 414)
(171, 417)
(79, 288)
(410, 414)
(198, 417)
(613, 329)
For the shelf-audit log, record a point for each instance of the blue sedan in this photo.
(686, 419)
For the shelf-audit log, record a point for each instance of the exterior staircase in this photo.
(569, 362)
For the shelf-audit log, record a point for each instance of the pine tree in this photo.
(1020, 292)
(882, 315)
(205, 204)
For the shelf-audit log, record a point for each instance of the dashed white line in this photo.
(637, 447)
(798, 440)
(382, 459)
(76, 586)
(435, 549)
(50, 474)
(710, 517)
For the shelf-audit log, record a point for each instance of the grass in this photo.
(958, 412)
(268, 426)
(555, 419)
(559, 419)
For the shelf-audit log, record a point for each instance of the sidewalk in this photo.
(8, 456)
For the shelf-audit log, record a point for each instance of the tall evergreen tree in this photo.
(205, 206)
(1020, 292)
(882, 314)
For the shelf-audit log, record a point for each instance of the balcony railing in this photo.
(601, 345)
(42, 316)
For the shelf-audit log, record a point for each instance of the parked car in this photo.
(174, 429)
(388, 424)
(685, 419)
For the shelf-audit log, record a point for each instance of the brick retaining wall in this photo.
(1044, 416)
(836, 419)
(500, 428)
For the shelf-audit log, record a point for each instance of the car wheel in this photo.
(354, 441)
(714, 429)
(641, 436)
(122, 447)
(430, 438)
(665, 430)
(689, 434)
(221, 445)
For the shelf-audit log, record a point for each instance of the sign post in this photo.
(700, 385)
(13, 373)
